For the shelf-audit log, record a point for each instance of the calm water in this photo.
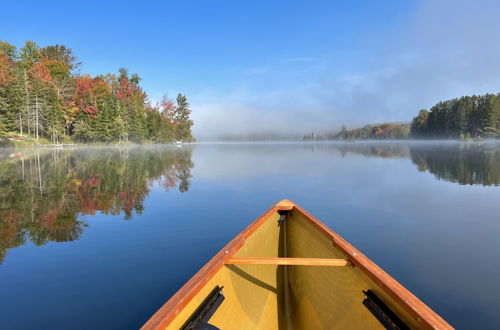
(100, 238)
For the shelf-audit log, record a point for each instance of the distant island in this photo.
(43, 100)
(466, 118)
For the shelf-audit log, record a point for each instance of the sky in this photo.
(280, 67)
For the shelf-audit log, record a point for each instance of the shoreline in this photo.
(126, 144)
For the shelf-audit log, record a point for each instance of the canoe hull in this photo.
(301, 297)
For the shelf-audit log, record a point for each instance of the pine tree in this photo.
(419, 124)
(184, 123)
(489, 117)
(42, 94)
(495, 118)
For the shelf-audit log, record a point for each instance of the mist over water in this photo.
(94, 232)
(439, 51)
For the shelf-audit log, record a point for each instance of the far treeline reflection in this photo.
(467, 163)
(43, 193)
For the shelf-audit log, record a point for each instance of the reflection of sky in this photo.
(440, 239)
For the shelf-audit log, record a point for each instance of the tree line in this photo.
(468, 117)
(393, 131)
(465, 118)
(43, 96)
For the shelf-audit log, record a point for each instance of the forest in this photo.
(392, 131)
(43, 97)
(468, 117)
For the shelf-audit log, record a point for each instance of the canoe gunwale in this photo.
(409, 302)
(423, 314)
(164, 316)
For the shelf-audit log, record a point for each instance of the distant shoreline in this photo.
(30, 145)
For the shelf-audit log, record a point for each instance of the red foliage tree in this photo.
(41, 73)
(167, 108)
(124, 90)
(88, 90)
(5, 70)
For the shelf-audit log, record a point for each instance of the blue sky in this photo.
(278, 66)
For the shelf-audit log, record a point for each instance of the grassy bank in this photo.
(16, 140)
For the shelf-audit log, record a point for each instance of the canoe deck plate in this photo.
(199, 319)
(380, 310)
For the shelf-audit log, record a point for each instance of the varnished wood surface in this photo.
(288, 261)
(215, 272)
(284, 205)
(425, 316)
(164, 316)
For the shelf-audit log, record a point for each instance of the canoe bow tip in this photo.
(285, 205)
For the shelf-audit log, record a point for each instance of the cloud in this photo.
(446, 49)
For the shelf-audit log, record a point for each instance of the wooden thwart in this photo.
(289, 261)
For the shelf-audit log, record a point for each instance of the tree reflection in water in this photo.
(471, 163)
(464, 163)
(43, 193)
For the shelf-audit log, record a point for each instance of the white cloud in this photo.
(447, 49)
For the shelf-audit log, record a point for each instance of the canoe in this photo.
(288, 270)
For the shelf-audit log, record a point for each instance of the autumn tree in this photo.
(6, 79)
(62, 54)
(42, 95)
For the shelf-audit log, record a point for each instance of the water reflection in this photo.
(371, 193)
(463, 163)
(392, 150)
(43, 193)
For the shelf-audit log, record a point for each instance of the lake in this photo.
(101, 237)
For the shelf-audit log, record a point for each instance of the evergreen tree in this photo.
(184, 123)
(42, 95)
(419, 123)
(475, 116)
(343, 133)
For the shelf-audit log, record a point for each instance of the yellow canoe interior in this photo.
(297, 274)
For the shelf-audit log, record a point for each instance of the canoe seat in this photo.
(290, 261)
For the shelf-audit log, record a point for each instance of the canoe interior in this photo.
(285, 297)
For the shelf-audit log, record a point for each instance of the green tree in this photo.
(62, 54)
(184, 123)
(419, 124)
(42, 94)
(29, 54)
(343, 133)
(8, 49)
